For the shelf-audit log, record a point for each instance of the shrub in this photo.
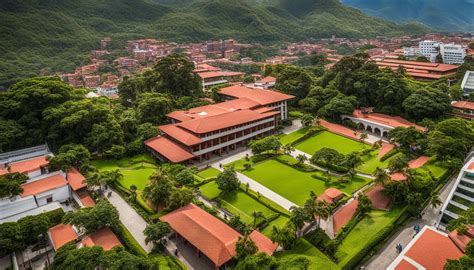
(127, 238)
(390, 154)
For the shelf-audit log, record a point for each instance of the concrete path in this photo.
(130, 219)
(295, 125)
(388, 253)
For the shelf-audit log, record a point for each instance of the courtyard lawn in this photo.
(208, 173)
(435, 167)
(305, 249)
(365, 232)
(241, 204)
(280, 222)
(135, 170)
(293, 184)
(327, 139)
(289, 138)
(372, 161)
(210, 190)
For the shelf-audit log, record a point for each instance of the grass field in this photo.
(208, 173)
(372, 161)
(364, 232)
(305, 249)
(279, 222)
(241, 204)
(135, 170)
(327, 139)
(435, 167)
(288, 138)
(210, 190)
(293, 184)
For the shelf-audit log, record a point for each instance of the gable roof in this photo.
(168, 149)
(76, 179)
(330, 195)
(466, 105)
(387, 120)
(180, 134)
(43, 185)
(211, 236)
(263, 243)
(104, 238)
(61, 234)
(261, 96)
(26, 166)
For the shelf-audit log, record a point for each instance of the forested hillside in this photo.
(39, 37)
(452, 15)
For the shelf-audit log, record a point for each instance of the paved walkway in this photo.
(388, 253)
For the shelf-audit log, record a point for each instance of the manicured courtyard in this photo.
(294, 184)
(327, 139)
(289, 138)
(241, 204)
(305, 249)
(372, 161)
(208, 173)
(135, 170)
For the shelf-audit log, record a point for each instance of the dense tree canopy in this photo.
(88, 220)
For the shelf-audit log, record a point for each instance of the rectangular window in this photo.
(49, 199)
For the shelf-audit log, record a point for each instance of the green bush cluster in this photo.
(127, 238)
(390, 154)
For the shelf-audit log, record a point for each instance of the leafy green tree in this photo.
(91, 219)
(339, 105)
(11, 238)
(364, 206)
(381, 176)
(307, 120)
(294, 81)
(317, 208)
(407, 138)
(427, 103)
(158, 189)
(185, 177)
(267, 144)
(133, 192)
(70, 257)
(398, 163)
(397, 191)
(227, 180)
(111, 177)
(119, 259)
(154, 233)
(180, 197)
(451, 138)
(152, 107)
(177, 77)
(70, 155)
(244, 247)
(352, 160)
(30, 227)
(259, 261)
(327, 156)
(301, 158)
(10, 184)
(298, 217)
(116, 152)
(146, 131)
(10, 134)
(317, 98)
(285, 236)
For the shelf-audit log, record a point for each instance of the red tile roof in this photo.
(378, 198)
(205, 68)
(405, 265)
(344, 215)
(398, 176)
(261, 96)
(29, 165)
(268, 79)
(466, 105)
(76, 179)
(434, 67)
(61, 234)
(180, 134)
(212, 237)
(431, 249)
(339, 129)
(104, 238)
(471, 166)
(263, 243)
(168, 149)
(387, 120)
(461, 240)
(417, 163)
(87, 201)
(42, 185)
(331, 195)
(221, 121)
(216, 74)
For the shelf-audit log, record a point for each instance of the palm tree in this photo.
(256, 215)
(381, 176)
(133, 192)
(93, 180)
(245, 247)
(435, 200)
(285, 236)
(298, 217)
(363, 137)
(320, 209)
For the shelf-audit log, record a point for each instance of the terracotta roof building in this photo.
(61, 234)
(209, 235)
(104, 238)
(331, 195)
(378, 123)
(420, 70)
(213, 129)
(213, 75)
(267, 82)
(43, 185)
(464, 109)
(29, 167)
(430, 250)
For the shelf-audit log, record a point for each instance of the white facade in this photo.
(467, 84)
(429, 49)
(452, 53)
(411, 52)
(461, 196)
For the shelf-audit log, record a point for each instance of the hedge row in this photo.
(309, 134)
(130, 242)
(382, 236)
(390, 154)
(262, 202)
(332, 167)
(298, 166)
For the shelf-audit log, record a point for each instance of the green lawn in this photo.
(279, 222)
(364, 232)
(372, 161)
(241, 204)
(135, 170)
(288, 138)
(305, 249)
(293, 184)
(435, 167)
(327, 139)
(208, 173)
(210, 190)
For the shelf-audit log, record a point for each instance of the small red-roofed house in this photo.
(31, 167)
(263, 243)
(430, 250)
(464, 109)
(47, 189)
(398, 176)
(104, 238)
(61, 234)
(331, 195)
(267, 82)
